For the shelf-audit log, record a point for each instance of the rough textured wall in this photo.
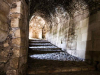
(93, 42)
(79, 33)
(5, 39)
(58, 28)
(13, 36)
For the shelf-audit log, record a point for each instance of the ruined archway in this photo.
(37, 27)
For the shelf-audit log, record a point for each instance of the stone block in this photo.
(3, 59)
(81, 54)
(19, 42)
(16, 42)
(17, 33)
(77, 18)
(23, 42)
(10, 1)
(4, 53)
(84, 30)
(96, 45)
(14, 62)
(83, 45)
(89, 35)
(16, 15)
(15, 22)
(89, 46)
(78, 31)
(23, 51)
(3, 18)
(77, 25)
(79, 46)
(84, 36)
(11, 72)
(79, 37)
(16, 7)
(96, 34)
(23, 61)
(4, 7)
(16, 52)
(3, 26)
(6, 44)
(84, 23)
(95, 26)
(2, 67)
(3, 35)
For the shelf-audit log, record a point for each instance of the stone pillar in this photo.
(19, 34)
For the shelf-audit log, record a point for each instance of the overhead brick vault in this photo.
(73, 25)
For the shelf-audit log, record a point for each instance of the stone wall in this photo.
(13, 36)
(79, 33)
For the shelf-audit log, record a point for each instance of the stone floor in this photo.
(61, 56)
(55, 63)
(73, 73)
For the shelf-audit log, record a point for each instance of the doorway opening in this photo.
(37, 28)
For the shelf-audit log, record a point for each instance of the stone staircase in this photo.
(46, 58)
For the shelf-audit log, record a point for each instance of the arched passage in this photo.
(66, 25)
(72, 25)
(37, 28)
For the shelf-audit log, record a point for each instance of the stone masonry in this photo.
(14, 36)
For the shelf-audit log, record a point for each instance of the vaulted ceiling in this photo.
(47, 6)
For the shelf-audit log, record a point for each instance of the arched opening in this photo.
(37, 28)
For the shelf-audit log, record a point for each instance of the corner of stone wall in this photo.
(19, 39)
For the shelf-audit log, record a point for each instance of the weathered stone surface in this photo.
(15, 22)
(16, 42)
(17, 8)
(3, 18)
(10, 1)
(23, 61)
(4, 7)
(16, 52)
(14, 62)
(4, 53)
(17, 33)
(15, 15)
(6, 44)
(11, 72)
(13, 52)
(3, 26)
(3, 59)
(3, 35)
(23, 51)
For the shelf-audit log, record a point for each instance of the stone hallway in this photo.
(46, 58)
(71, 29)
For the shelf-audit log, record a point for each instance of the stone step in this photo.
(47, 66)
(31, 47)
(40, 44)
(45, 49)
(41, 52)
(38, 41)
(71, 73)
